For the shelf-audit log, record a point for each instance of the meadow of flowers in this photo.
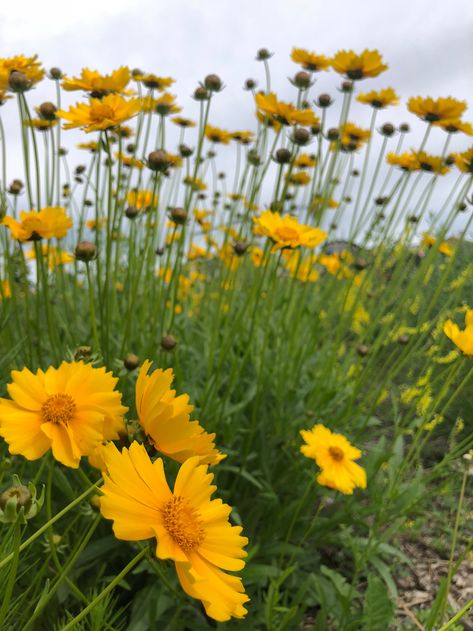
(228, 397)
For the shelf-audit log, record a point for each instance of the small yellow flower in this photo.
(434, 110)
(180, 121)
(368, 64)
(5, 289)
(214, 134)
(431, 164)
(335, 456)
(454, 125)
(462, 339)
(284, 113)
(405, 161)
(379, 99)
(129, 161)
(305, 161)
(351, 134)
(100, 114)
(310, 61)
(298, 179)
(99, 85)
(154, 82)
(243, 137)
(41, 124)
(29, 66)
(142, 199)
(464, 161)
(47, 223)
(287, 232)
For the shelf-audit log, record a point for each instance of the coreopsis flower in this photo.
(351, 134)
(154, 82)
(196, 252)
(298, 179)
(195, 183)
(227, 255)
(405, 161)
(190, 528)
(287, 232)
(256, 255)
(47, 223)
(166, 104)
(464, 161)
(4, 97)
(53, 256)
(431, 164)
(301, 268)
(96, 224)
(100, 114)
(29, 66)
(368, 64)
(165, 419)
(434, 110)
(243, 137)
(335, 456)
(305, 161)
(214, 134)
(70, 410)
(141, 199)
(379, 99)
(455, 125)
(310, 61)
(99, 85)
(463, 339)
(129, 161)
(284, 113)
(5, 289)
(180, 121)
(89, 146)
(41, 124)
(331, 262)
(320, 202)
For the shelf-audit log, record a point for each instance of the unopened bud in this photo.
(85, 251)
(213, 83)
(178, 216)
(131, 361)
(168, 342)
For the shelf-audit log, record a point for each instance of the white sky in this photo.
(428, 45)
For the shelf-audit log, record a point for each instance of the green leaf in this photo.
(378, 608)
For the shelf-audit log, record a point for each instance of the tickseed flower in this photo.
(29, 66)
(379, 100)
(47, 223)
(351, 134)
(310, 61)
(368, 64)
(100, 114)
(298, 179)
(190, 528)
(154, 82)
(99, 85)
(5, 289)
(320, 202)
(335, 456)
(243, 137)
(284, 113)
(166, 104)
(454, 125)
(70, 410)
(180, 121)
(41, 124)
(54, 256)
(305, 161)
(196, 183)
(196, 252)
(462, 339)
(303, 269)
(464, 161)
(405, 161)
(214, 134)
(89, 146)
(287, 232)
(445, 247)
(434, 110)
(129, 161)
(141, 199)
(431, 164)
(165, 419)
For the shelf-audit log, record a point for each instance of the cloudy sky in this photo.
(427, 44)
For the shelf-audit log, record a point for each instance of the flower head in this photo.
(100, 114)
(335, 456)
(434, 110)
(99, 85)
(217, 135)
(29, 66)
(165, 419)
(47, 223)
(141, 199)
(379, 99)
(368, 64)
(464, 161)
(287, 232)
(462, 339)
(191, 529)
(70, 410)
(310, 61)
(153, 81)
(284, 113)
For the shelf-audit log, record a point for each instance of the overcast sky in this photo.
(428, 45)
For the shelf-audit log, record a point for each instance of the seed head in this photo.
(213, 83)
(85, 251)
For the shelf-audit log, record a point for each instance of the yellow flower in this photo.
(405, 161)
(196, 183)
(462, 339)
(196, 252)
(29, 66)
(305, 161)
(214, 134)
(141, 199)
(320, 202)
(41, 124)
(89, 146)
(229, 258)
(54, 256)
(298, 179)
(100, 114)
(431, 164)
(331, 262)
(70, 410)
(379, 100)
(243, 137)
(165, 419)
(464, 161)
(310, 61)
(335, 456)
(183, 122)
(166, 104)
(287, 232)
(368, 64)
(5, 289)
(434, 110)
(99, 85)
(94, 224)
(256, 255)
(445, 248)
(454, 125)
(354, 135)
(191, 529)
(129, 161)
(154, 82)
(284, 113)
(47, 223)
(303, 269)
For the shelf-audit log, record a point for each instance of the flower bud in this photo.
(404, 128)
(300, 136)
(282, 156)
(168, 342)
(254, 157)
(403, 340)
(19, 502)
(381, 201)
(55, 73)
(131, 361)
(362, 350)
(324, 100)
(263, 54)
(333, 134)
(15, 187)
(315, 130)
(47, 110)
(250, 84)
(213, 83)
(131, 212)
(355, 173)
(360, 264)
(201, 94)
(302, 79)
(82, 352)
(185, 151)
(19, 82)
(387, 130)
(158, 160)
(85, 251)
(240, 247)
(178, 216)
(347, 86)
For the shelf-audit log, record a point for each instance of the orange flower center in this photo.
(183, 523)
(101, 112)
(336, 453)
(58, 408)
(286, 233)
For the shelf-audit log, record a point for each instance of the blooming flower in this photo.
(433, 110)
(29, 66)
(100, 114)
(368, 64)
(284, 113)
(462, 339)
(287, 232)
(99, 85)
(310, 61)
(464, 161)
(70, 410)
(154, 82)
(165, 419)
(335, 456)
(214, 134)
(54, 256)
(454, 125)
(141, 199)
(47, 223)
(190, 528)
(379, 99)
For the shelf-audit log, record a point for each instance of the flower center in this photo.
(101, 112)
(286, 233)
(58, 408)
(336, 453)
(183, 523)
